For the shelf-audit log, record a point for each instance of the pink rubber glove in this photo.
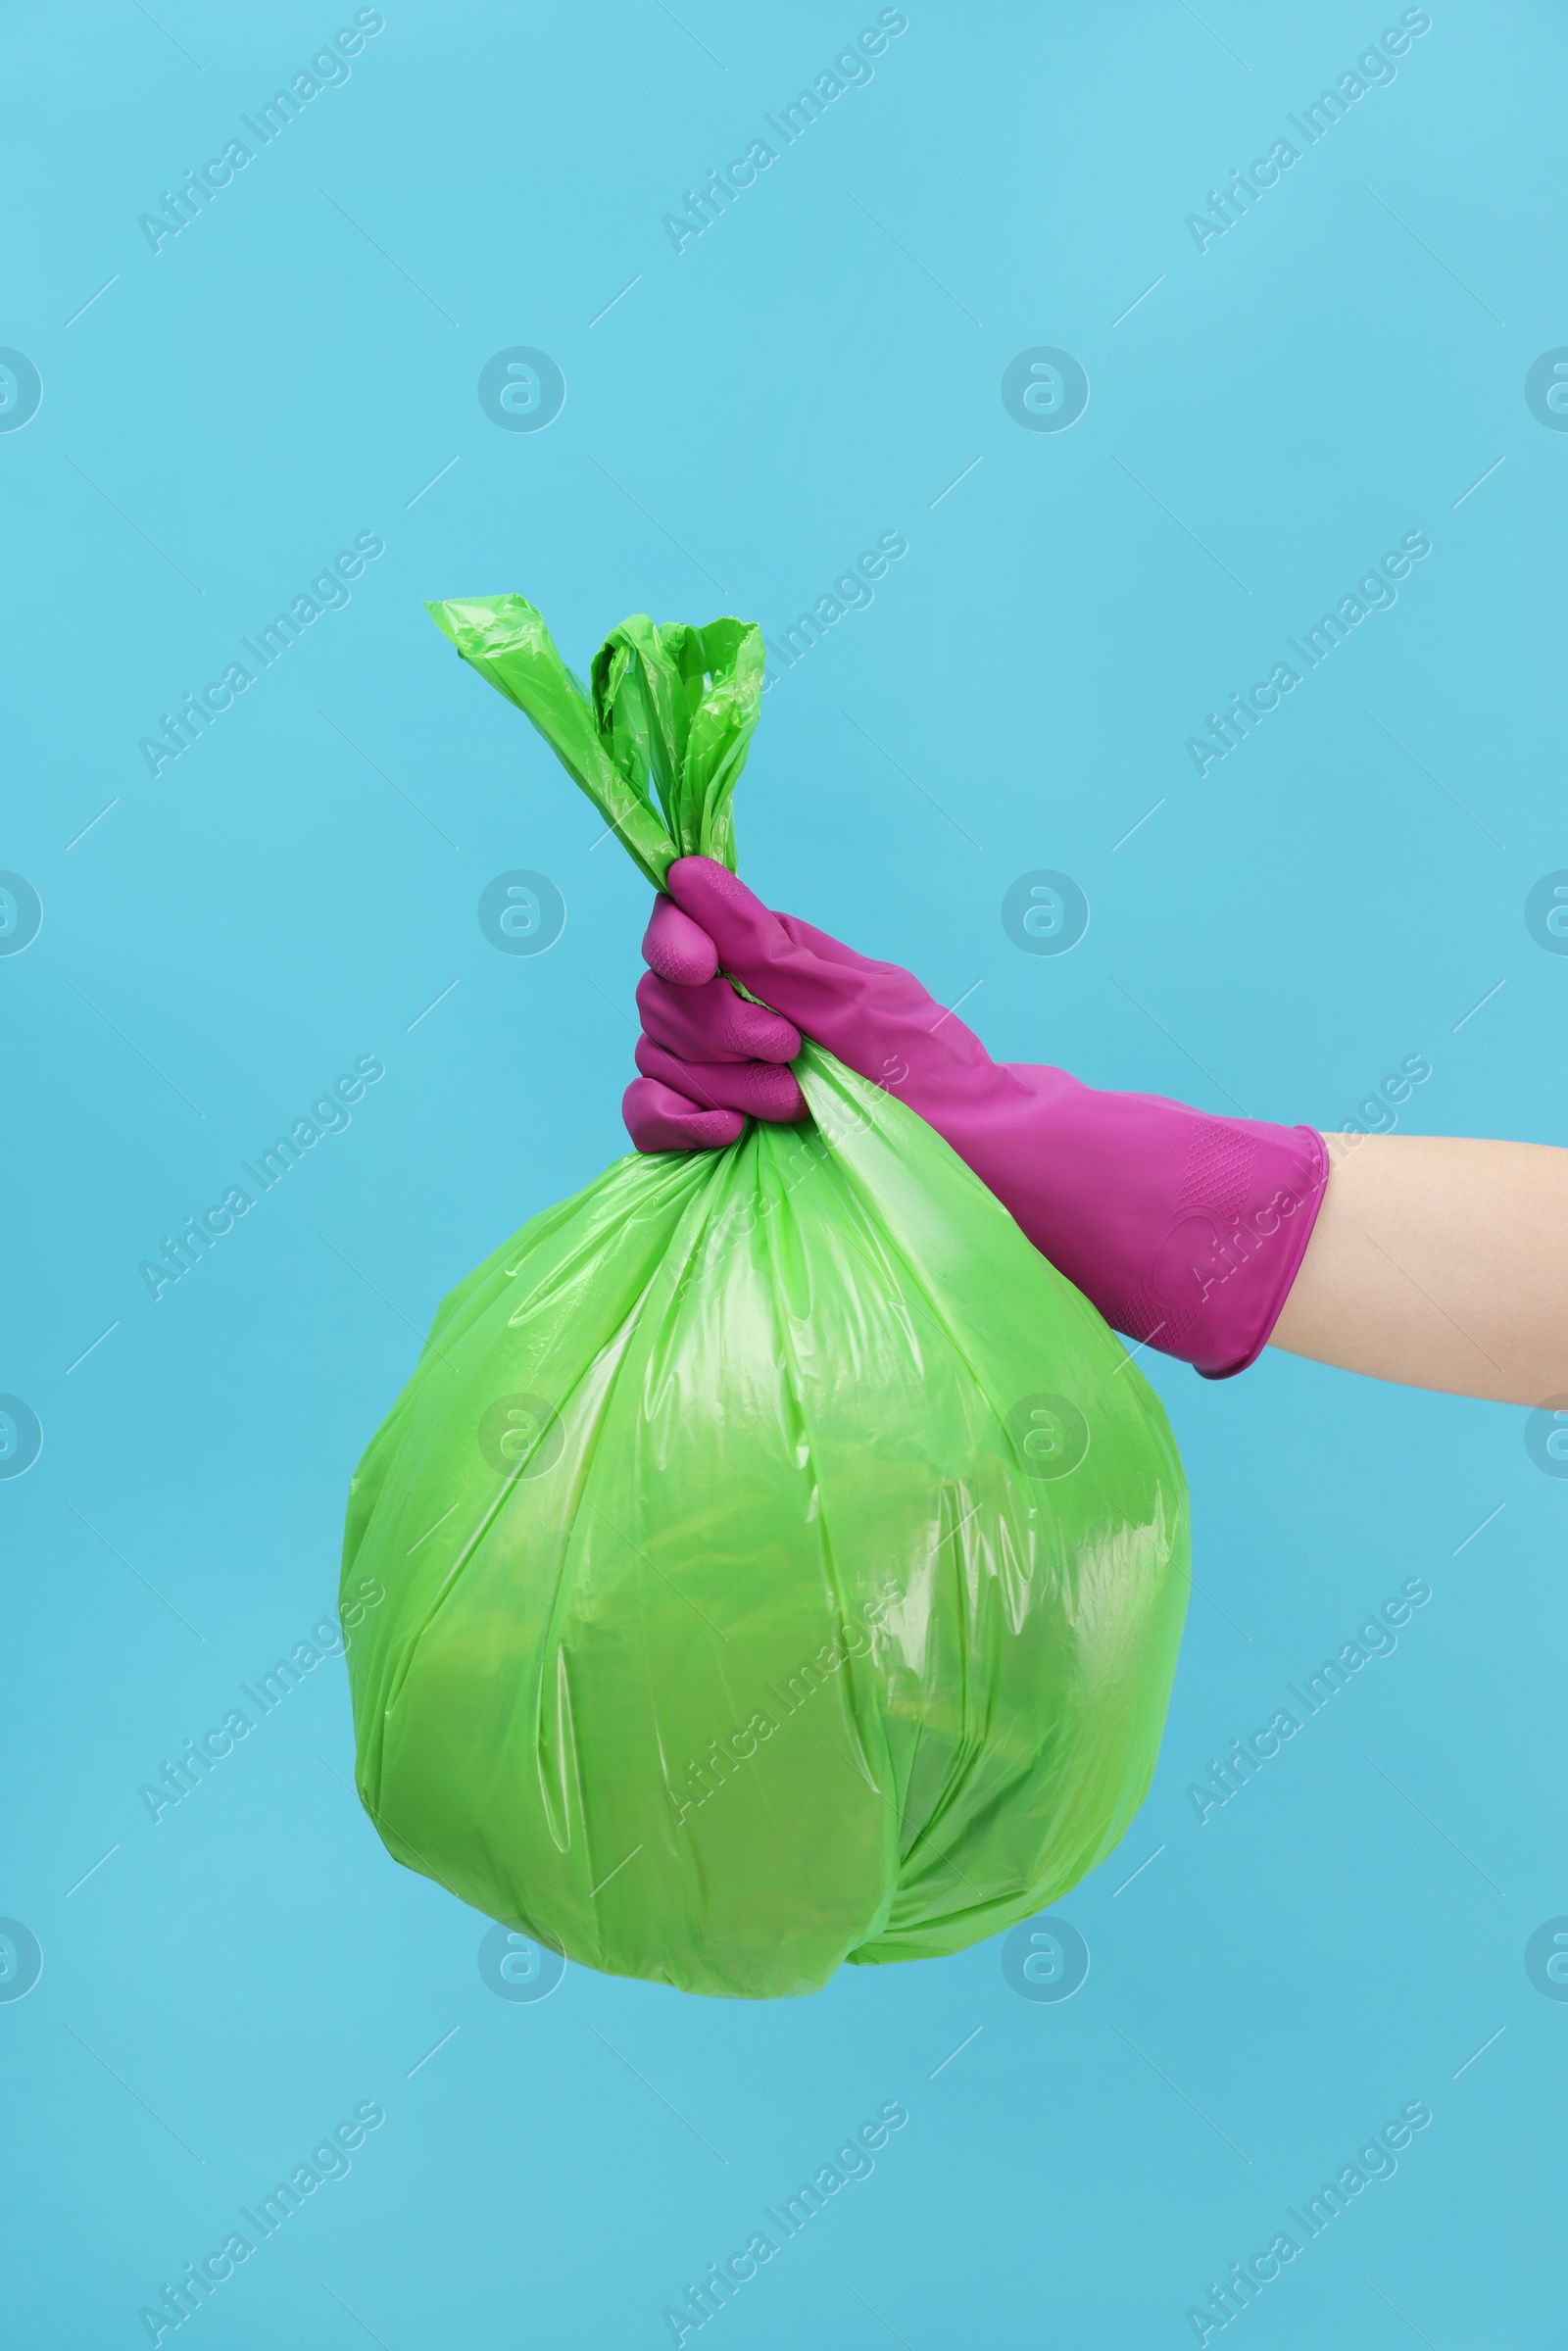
(1185, 1230)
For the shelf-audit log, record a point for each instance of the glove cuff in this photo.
(1184, 1228)
(1244, 1213)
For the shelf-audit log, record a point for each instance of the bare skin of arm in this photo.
(1439, 1263)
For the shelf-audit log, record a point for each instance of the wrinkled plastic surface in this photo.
(674, 704)
(784, 1563)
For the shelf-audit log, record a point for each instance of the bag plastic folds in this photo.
(784, 1564)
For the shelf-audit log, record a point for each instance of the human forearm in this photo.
(1441, 1262)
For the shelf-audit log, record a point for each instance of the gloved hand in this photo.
(1186, 1231)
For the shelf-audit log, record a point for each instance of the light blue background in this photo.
(228, 414)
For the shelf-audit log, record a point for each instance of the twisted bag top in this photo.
(784, 1564)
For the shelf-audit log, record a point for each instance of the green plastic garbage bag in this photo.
(784, 1563)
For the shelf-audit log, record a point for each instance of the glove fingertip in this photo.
(676, 947)
(784, 1042)
(658, 1119)
(775, 1097)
